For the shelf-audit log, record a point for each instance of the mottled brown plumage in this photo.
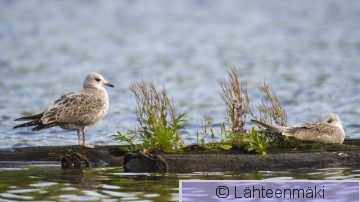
(75, 110)
(329, 131)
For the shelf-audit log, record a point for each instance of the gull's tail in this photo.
(36, 121)
(269, 127)
(33, 117)
(30, 123)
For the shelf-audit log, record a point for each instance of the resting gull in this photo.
(329, 131)
(75, 110)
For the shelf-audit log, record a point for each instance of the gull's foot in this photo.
(89, 146)
(74, 160)
(66, 162)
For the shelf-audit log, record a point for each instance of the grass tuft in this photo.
(207, 123)
(238, 106)
(270, 109)
(159, 126)
(236, 100)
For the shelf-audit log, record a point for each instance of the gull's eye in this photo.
(97, 79)
(330, 120)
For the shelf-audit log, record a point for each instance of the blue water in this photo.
(50, 183)
(307, 50)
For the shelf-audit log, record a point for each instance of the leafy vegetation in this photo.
(270, 109)
(256, 142)
(207, 123)
(238, 108)
(159, 126)
(237, 102)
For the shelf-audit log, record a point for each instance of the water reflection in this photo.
(111, 183)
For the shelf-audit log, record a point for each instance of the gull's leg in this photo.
(83, 133)
(78, 132)
(84, 144)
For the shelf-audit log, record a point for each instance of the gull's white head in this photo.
(96, 80)
(333, 119)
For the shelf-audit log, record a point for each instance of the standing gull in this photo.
(329, 131)
(75, 110)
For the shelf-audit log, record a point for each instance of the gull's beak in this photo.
(109, 84)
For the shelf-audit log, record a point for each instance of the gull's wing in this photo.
(269, 127)
(80, 108)
(316, 131)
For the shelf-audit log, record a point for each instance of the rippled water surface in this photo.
(308, 51)
(49, 182)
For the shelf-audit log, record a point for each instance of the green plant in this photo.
(270, 108)
(238, 106)
(256, 142)
(159, 126)
(123, 138)
(231, 137)
(236, 100)
(207, 123)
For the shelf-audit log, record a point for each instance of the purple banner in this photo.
(347, 191)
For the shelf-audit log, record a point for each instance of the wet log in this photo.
(99, 156)
(280, 159)
(347, 154)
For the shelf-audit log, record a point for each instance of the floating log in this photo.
(99, 156)
(347, 154)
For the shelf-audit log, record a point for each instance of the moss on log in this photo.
(347, 154)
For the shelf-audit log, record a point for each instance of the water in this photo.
(50, 183)
(308, 51)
